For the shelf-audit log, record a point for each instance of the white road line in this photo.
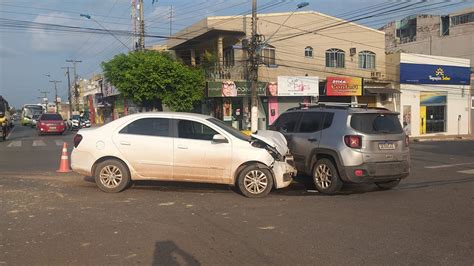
(469, 172)
(15, 143)
(11, 131)
(37, 143)
(59, 142)
(447, 165)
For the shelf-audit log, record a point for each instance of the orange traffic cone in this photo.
(64, 163)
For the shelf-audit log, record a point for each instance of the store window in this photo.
(433, 112)
(229, 57)
(335, 58)
(367, 60)
(267, 54)
(308, 52)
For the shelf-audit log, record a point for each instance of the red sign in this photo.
(343, 86)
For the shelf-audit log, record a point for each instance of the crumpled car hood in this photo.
(274, 139)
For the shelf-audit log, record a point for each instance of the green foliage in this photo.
(148, 76)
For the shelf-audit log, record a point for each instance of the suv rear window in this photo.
(376, 123)
(51, 117)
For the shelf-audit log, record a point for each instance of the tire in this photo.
(326, 177)
(388, 184)
(255, 181)
(111, 176)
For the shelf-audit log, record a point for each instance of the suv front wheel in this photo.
(325, 177)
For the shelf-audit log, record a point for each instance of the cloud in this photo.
(47, 41)
(6, 52)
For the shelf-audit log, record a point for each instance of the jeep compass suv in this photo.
(338, 143)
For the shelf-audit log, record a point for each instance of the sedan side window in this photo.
(149, 127)
(194, 130)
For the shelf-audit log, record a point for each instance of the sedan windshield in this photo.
(234, 132)
(51, 117)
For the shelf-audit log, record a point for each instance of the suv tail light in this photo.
(353, 141)
(77, 140)
(407, 141)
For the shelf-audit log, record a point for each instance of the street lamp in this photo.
(91, 18)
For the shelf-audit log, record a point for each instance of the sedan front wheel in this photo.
(255, 181)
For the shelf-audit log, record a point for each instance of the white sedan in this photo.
(182, 147)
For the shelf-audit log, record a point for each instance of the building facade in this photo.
(435, 95)
(341, 61)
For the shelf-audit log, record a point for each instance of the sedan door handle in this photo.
(312, 139)
(125, 143)
(182, 147)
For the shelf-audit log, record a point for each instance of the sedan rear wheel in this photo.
(255, 181)
(111, 176)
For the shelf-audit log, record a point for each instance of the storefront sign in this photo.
(298, 86)
(434, 74)
(233, 88)
(343, 86)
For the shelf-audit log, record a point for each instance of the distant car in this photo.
(34, 119)
(78, 122)
(50, 123)
(339, 143)
(181, 147)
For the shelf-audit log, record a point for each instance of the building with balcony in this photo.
(304, 56)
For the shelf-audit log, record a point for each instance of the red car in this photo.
(51, 123)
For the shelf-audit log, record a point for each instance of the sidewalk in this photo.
(442, 138)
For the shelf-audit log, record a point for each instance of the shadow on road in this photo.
(435, 183)
(168, 253)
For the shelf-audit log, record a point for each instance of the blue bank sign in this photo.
(434, 74)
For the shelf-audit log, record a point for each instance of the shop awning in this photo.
(380, 90)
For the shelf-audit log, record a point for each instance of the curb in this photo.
(446, 138)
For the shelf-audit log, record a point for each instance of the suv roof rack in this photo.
(330, 105)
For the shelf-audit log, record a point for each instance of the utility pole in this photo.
(253, 54)
(142, 26)
(171, 20)
(69, 90)
(76, 91)
(45, 95)
(56, 93)
(134, 25)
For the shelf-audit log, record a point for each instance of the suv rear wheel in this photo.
(388, 184)
(325, 177)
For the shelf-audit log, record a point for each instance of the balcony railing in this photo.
(226, 72)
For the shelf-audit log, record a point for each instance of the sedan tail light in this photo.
(353, 141)
(77, 140)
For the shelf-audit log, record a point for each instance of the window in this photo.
(229, 57)
(286, 123)
(194, 130)
(376, 123)
(311, 122)
(335, 58)
(462, 19)
(328, 120)
(308, 51)
(51, 117)
(158, 127)
(268, 56)
(234, 132)
(367, 60)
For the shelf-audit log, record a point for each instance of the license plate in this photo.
(52, 128)
(386, 146)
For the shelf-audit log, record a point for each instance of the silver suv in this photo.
(338, 143)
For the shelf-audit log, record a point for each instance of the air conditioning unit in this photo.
(375, 74)
(352, 51)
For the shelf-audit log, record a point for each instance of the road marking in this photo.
(15, 143)
(469, 172)
(59, 142)
(37, 143)
(11, 131)
(447, 165)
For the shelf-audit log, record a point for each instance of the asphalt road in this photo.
(50, 218)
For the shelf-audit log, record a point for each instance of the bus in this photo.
(6, 123)
(28, 111)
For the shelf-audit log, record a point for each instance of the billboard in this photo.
(434, 74)
(343, 86)
(231, 88)
(298, 86)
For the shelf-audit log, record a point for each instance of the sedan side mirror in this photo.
(218, 138)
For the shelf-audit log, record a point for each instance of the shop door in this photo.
(422, 120)
(435, 119)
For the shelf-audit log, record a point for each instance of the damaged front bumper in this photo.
(284, 171)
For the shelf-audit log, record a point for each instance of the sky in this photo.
(31, 56)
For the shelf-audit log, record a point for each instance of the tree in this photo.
(151, 78)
